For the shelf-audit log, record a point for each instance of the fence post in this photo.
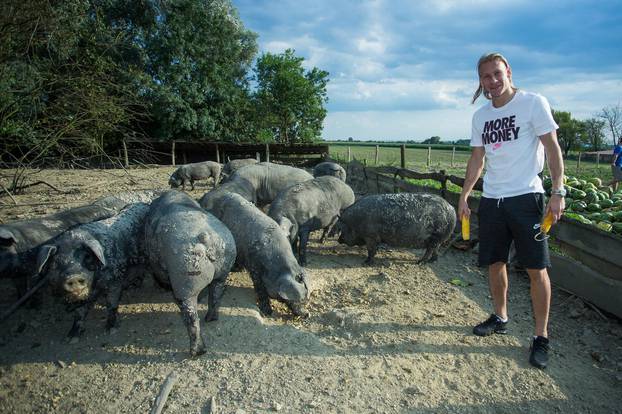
(125, 157)
(429, 156)
(349, 155)
(173, 153)
(597, 161)
(453, 155)
(578, 163)
(217, 155)
(377, 153)
(267, 152)
(403, 156)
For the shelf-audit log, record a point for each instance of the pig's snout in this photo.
(76, 286)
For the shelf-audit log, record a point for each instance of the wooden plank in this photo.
(606, 268)
(586, 283)
(603, 245)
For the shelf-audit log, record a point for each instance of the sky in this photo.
(406, 70)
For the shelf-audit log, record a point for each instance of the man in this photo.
(511, 133)
(616, 165)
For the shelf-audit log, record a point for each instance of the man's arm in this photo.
(556, 203)
(473, 172)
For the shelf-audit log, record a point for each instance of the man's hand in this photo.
(556, 206)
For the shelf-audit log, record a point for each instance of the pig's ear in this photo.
(7, 238)
(45, 252)
(286, 225)
(96, 248)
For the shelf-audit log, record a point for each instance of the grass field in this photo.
(441, 159)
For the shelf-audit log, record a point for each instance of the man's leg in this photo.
(540, 299)
(498, 284)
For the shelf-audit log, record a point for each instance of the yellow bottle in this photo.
(547, 223)
(466, 228)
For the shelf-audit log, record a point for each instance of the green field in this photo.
(441, 159)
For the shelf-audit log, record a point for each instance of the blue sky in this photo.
(406, 69)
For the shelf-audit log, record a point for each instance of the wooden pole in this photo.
(173, 153)
(453, 156)
(349, 155)
(579, 163)
(267, 152)
(597, 161)
(403, 155)
(429, 156)
(377, 153)
(217, 155)
(125, 157)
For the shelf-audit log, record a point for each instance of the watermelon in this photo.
(593, 207)
(596, 181)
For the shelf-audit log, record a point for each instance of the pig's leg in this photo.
(192, 184)
(262, 294)
(304, 239)
(215, 291)
(189, 315)
(77, 328)
(430, 255)
(328, 228)
(372, 248)
(113, 296)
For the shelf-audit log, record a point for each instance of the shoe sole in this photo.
(488, 333)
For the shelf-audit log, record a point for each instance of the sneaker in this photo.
(494, 324)
(539, 352)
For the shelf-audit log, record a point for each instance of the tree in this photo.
(290, 101)
(198, 58)
(612, 115)
(593, 133)
(63, 89)
(569, 132)
(432, 140)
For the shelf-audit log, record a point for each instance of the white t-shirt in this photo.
(509, 135)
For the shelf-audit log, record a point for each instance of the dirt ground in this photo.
(391, 338)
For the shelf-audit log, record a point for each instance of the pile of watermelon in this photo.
(589, 202)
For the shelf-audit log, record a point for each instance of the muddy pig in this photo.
(257, 183)
(308, 206)
(401, 220)
(192, 172)
(233, 165)
(189, 249)
(20, 241)
(95, 259)
(265, 251)
(329, 168)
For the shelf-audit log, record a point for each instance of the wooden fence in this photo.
(184, 152)
(590, 262)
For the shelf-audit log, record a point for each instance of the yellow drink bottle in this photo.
(546, 223)
(466, 228)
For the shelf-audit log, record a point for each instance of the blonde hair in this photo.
(489, 57)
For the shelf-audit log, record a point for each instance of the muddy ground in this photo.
(395, 338)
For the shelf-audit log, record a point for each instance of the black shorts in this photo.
(512, 218)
